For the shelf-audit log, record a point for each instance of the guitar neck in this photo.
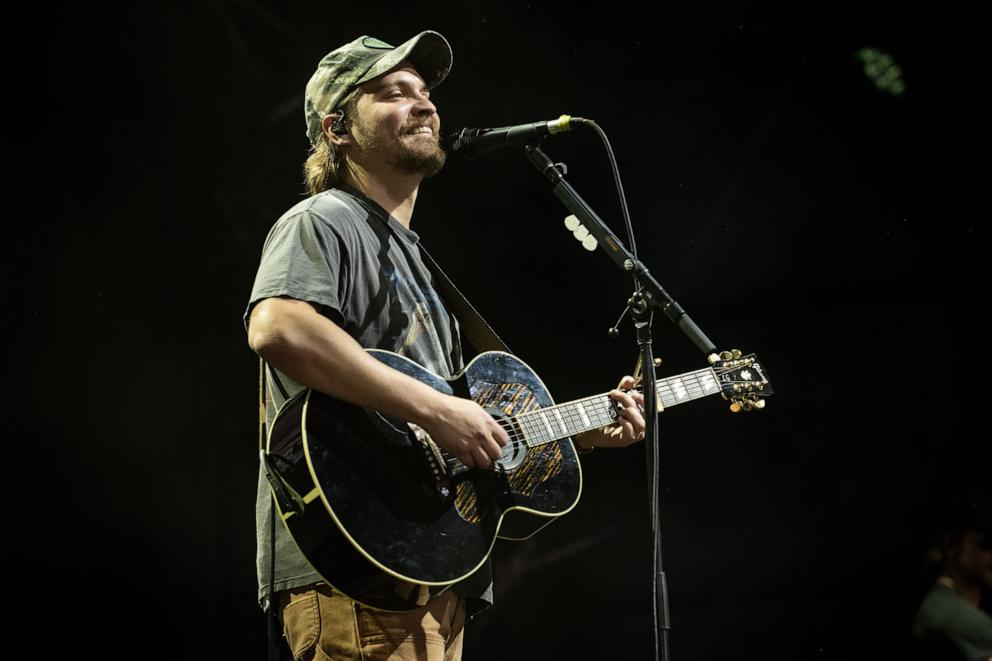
(560, 421)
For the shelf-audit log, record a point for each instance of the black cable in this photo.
(616, 177)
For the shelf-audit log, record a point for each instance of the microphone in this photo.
(473, 142)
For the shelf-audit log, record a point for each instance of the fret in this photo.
(697, 390)
(519, 421)
(557, 415)
(594, 408)
(671, 393)
(547, 424)
(531, 431)
(585, 416)
(700, 389)
(686, 387)
(668, 397)
(571, 418)
(605, 411)
(535, 425)
(692, 385)
(708, 383)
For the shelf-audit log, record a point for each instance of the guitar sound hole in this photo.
(515, 451)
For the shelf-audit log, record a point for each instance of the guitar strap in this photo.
(479, 333)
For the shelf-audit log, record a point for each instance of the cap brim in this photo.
(429, 53)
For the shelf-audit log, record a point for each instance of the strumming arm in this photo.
(293, 337)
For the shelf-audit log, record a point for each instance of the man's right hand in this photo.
(464, 429)
(307, 346)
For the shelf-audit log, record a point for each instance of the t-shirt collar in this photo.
(381, 213)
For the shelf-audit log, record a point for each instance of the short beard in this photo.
(425, 160)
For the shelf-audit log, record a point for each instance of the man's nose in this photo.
(424, 106)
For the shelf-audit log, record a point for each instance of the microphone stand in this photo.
(648, 296)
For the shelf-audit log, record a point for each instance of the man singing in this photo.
(341, 272)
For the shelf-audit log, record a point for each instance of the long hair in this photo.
(325, 166)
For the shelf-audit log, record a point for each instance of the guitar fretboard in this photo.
(560, 421)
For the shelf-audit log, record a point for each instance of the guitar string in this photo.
(694, 390)
(512, 423)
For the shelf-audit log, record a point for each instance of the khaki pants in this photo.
(322, 624)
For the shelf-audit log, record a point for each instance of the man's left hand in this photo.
(629, 427)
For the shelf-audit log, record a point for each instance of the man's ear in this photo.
(334, 128)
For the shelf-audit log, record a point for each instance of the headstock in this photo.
(742, 380)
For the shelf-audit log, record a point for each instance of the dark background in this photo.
(790, 206)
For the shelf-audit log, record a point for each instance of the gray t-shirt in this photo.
(362, 269)
(946, 620)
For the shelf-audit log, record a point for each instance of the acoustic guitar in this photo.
(389, 518)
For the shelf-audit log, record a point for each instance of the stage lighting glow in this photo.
(881, 68)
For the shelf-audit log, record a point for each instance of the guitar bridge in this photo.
(436, 464)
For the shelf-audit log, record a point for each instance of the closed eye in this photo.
(399, 93)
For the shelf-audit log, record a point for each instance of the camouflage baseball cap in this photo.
(365, 58)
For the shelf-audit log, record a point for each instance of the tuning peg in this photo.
(735, 407)
(737, 353)
(726, 355)
(759, 404)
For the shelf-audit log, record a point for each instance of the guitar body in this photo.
(387, 519)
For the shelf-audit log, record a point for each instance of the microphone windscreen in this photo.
(458, 142)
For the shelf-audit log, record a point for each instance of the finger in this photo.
(626, 382)
(637, 431)
(493, 449)
(633, 412)
(624, 398)
(640, 427)
(633, 416)
(500, 435)
(482, 459)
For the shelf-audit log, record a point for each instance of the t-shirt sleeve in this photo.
(305, 258)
